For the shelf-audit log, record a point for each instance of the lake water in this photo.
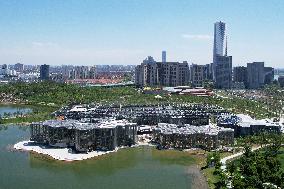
(13, 109)
(141, 168)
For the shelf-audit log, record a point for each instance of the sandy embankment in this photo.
(58, 153)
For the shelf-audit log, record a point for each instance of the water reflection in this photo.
(103, 165)
(3, 127)
(14, 110)
(23, 127)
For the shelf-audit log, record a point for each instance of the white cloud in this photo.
(38, 44)
(197, 37)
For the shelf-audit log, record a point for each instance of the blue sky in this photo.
(126, 31)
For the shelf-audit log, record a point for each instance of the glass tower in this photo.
(219, 37)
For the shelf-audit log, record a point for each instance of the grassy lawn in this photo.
(211, 178)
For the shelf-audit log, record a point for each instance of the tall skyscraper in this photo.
(164, 56)
(219, 36)
(222, 63)
(44, 72)
(218, 44)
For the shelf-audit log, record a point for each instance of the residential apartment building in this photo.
(199, 74)
(152, 73)
(82, 72)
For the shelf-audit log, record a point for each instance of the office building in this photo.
(240, 75)
(255, 75)
(281, 81)
(222, 64)
(219, 36)
(268, 75)
(223, 70)
(164, 56)
(44, 72)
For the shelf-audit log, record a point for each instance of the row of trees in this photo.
(254, 168)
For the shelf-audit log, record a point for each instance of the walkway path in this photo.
(225, 159)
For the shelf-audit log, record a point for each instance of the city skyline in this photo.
(113, 32)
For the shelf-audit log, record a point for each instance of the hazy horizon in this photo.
(126, 32)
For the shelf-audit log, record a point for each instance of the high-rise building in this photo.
(44, 72)
(255, 75)
(82, 72)
(240, 75)
(175, 74)
(281, 81)
(268, 75)
(92, 72)
(219, 37)
(4, 66)
(222, 64)
(164, 56)
(19, 67)
(199, 74)
(152, 73)
(223, 70)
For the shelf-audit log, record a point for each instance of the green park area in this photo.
(262, 162)
(46, 97)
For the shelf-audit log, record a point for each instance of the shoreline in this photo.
(61, 154)
(198, 179)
